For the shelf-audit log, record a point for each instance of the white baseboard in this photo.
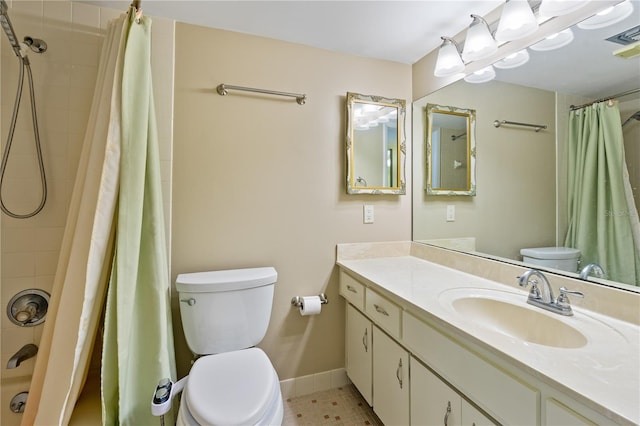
(304, 385)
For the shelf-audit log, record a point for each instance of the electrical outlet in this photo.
(368, 213)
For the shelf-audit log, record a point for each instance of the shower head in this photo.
(635, 116)
(35, 44)
(8, 28)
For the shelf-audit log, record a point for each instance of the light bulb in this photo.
(481, 76)
(514, 60)
(609, 16)
(517, 21)
(449, 61)
(560, 7)
(479, 43)
(554, 41)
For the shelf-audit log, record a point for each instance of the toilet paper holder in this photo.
(297, 300)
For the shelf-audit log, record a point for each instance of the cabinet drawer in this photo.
(383, 312)
(507, 399)
(352, 290)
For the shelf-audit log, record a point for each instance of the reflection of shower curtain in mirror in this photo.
(603, 224)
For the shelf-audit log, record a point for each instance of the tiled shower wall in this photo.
(64, 79)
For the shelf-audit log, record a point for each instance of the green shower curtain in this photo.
(138, 339)
(600, 220)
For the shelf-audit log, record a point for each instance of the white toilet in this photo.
(224, 314)
(561, 258)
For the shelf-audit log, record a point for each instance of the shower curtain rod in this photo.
(619, 95)
(301, 98)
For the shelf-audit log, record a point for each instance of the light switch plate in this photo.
(368, 213)
(451, 213)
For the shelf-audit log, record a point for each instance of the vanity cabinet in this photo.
(379, 364)
(433, 402)
(390, 380)
(358, 351)
(504, 396)
(454, 357)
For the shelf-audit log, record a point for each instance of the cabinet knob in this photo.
(351, 289)
(365, 340)
(381, 310)
(446, 416)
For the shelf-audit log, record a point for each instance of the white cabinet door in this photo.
(471, 416)
(433, 402)
(390, 380)
(358, 342)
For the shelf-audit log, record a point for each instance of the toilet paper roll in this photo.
(310, 305)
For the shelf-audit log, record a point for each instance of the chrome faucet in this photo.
(586, 271)
(26, 352)
(541, 294)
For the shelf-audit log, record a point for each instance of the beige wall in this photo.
(64, 79)
(260, 180)
(516, 194)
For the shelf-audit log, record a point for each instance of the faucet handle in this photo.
(525, 279)
(563, 298)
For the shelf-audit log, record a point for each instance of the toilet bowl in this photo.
(232, 388)
(224, 315)
(561, 258)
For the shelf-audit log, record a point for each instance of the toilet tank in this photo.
(562, 258)
(225, 310)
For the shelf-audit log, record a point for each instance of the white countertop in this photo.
(604, 374)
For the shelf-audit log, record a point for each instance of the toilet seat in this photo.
(233, 388)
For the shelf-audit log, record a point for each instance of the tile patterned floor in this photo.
(339, 406)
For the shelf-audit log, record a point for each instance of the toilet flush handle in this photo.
(190, 301)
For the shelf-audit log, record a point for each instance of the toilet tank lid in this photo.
(231, 279)
(551, 252)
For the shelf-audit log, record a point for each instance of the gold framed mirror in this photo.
(450, 150)
(376, 145)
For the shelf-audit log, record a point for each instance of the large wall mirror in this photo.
(522, 172)
(451, 150)
(376, 145)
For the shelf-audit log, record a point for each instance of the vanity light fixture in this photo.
(514, 60)
(554, 41)
(517, 21)
(481, 76)
(560, 7)
(479, 43)
(609, 16)
(449, 61)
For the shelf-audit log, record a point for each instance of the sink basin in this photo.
(508, 314)
(518, 321)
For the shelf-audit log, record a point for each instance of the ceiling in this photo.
(399, 31)
(405, 31)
